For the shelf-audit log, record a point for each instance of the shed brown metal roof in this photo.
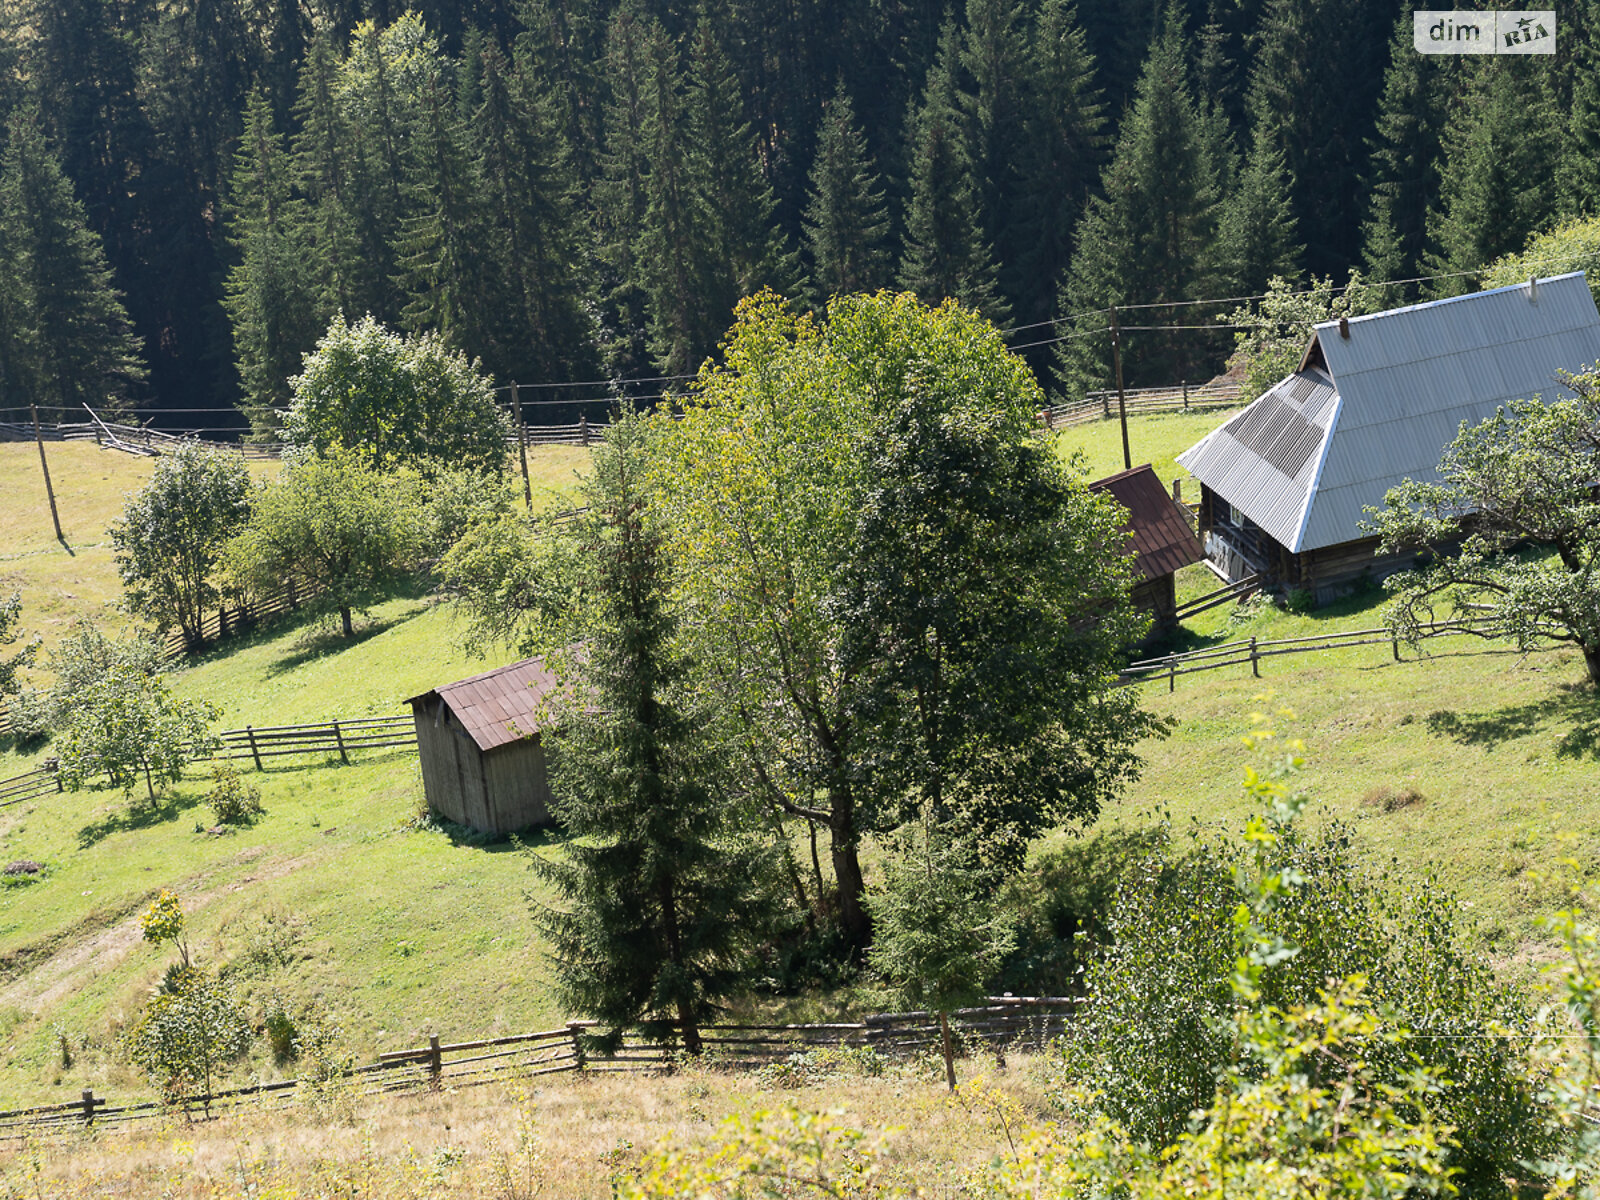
(1162, 540)
(500, 706)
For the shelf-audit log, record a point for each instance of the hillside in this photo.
(337, 899)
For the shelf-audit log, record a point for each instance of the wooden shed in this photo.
(483, 762)
(1162, 540)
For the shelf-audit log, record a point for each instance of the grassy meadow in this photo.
(1475, 763)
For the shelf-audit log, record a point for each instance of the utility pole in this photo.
(1122, 399)
(522, 445)
(45, 467)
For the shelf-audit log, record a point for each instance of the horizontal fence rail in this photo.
(1102, 406)
(330, 737)
(1004, 1021)
(1252, 650)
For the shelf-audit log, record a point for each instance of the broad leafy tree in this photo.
(1516, 493)
(344, 531)
(1572, 246)
(395, 400)
(1278, 327)
(888, 579)
(128, 726)
(79, 661)
(169, 538)
(12, 663)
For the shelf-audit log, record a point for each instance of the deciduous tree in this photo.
(394, 401)
(127, 725)
(1516, 492)
(345, 531)
(169, 538)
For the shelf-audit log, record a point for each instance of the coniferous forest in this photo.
(582, 190)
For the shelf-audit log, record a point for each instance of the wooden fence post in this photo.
(583, 430)
(1172, 672)
(435, 1061)
(1394, 644)
(89, 1104)
(255, 752)
(339, 737)
(53, 765)
(1255, 662)
(575, 1030)
(1185, 395)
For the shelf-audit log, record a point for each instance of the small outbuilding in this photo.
(1376, 399)
(483, 761)
(1162, 541)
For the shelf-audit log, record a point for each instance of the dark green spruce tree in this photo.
(322, 158)
(675, 252)
(946, 253)
(443, 245)
(1256, 233)
(538, 324)
(271, 294)
(70, 341)
(1496, 178)
(994, 54)
(1150, 236)
(1404, 176)
(750, 250)
(1059, 162)
(617, 197)
(661, 898)
(846, 219)
(1578, 170)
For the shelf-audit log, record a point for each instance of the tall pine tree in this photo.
(846, 219)
(1152, 233)
(1256, 233)
(1496, 179)
(71, 342)
(661, 899)
(271, 295)
(946, 254)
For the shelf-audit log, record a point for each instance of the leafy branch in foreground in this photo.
(1512, 526)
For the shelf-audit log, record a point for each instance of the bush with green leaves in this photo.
(1276, 327)
(128, 725)
(1158, 1028)
(395, 401)
(189, 1031)
(77, 663)
(234, 801)
(171, 533)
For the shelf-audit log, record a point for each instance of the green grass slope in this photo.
(335, 898)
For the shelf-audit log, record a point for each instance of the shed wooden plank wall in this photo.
(502, 791)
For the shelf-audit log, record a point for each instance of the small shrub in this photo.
(234, 801)
(1300, 600)
(282, 1035)
(812, 1067)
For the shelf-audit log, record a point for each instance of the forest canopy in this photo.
(191, 191)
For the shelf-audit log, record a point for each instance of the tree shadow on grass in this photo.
(1574, 705)
(321, 641)
(138, 814)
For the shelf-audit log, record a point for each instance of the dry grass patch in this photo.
(559, 1136)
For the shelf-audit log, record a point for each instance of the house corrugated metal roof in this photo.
(498, 707)
(1403, 381)
(1264, 460)
(1162, 540)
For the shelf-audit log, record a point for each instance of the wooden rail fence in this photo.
(330, 737)
(1253, 650)
(1102, 406)
(1004, 1021)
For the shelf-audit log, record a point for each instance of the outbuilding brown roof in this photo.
(1162, 540)
(500, 706)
